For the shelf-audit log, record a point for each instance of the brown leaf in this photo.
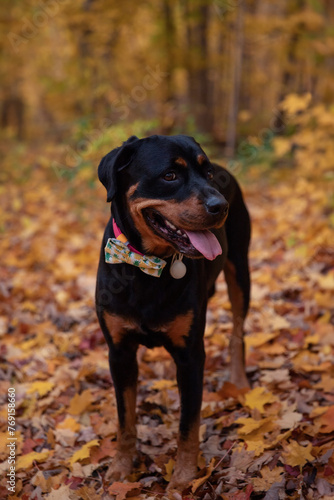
(122, 489)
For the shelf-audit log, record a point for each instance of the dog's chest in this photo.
(174, 331)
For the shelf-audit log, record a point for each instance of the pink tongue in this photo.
(206, 243)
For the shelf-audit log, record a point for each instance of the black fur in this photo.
(148, 301)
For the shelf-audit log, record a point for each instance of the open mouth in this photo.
(191, 243)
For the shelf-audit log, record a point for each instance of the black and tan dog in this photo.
(168, 202)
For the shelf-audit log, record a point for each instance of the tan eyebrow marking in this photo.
(201, 159)
(181, 161)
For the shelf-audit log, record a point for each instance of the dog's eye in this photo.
(170, 176)
(209, 174)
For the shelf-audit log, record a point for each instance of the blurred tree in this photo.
(218, 67)
(237, 51)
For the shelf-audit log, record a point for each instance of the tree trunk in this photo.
(237, 58)
(12, 115)
(168, 108)
(197, 63)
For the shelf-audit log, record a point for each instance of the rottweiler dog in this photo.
(177, 221)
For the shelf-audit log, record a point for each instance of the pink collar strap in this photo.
(121, 237)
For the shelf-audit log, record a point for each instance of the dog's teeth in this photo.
(170, 225)
(179, 232)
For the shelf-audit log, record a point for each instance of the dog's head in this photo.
(162, 189)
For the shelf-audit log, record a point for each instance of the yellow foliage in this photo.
(42, 387)
(296, 455)
(267, 479)
(80, 402)
(169, 469)
(258, 339)
(258, 398)
(196, 483)
(163, 384)
(84, 451)
(69, 423)
(294, 103)
(26, 461)
(256, 428)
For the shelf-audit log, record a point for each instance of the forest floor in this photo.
(275, 441)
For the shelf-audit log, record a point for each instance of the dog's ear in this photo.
(114, 162)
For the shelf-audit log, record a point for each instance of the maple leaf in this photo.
(25, 461)
(258, 339)
(290, 417)
(84, 451)
(249, 425)
(42, 387)
(258, 398)
(107, 448)
(327, 421)
(163, 384)
(64, 492)
(80, 402)
(257, 446)
(169, 469)
(122, 489)
(242, 495)
(241, 459)
(69, 423)
(296, 455)
(196, 483)
(267, 479)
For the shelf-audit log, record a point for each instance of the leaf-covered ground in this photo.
(275, 441)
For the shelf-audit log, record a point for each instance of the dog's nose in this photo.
(217, 205)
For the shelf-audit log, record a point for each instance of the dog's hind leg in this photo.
(238, 285)
(239, 304)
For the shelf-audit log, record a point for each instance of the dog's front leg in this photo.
(124, 371)
(190, 366)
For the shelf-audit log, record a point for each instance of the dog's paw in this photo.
(181, 478)
(121, 467)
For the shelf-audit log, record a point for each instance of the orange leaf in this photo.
(80, 403)
(327, 421)
(122, 489)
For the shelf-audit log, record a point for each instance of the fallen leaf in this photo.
(80, 402)
(326, 421)
(42, 387)
(169, 469)
(84, 451)
(296, 455)
(258, 398)
(196, 483)
(122, 489)
(249, 425)
(267, 479)
(69, 423)
(163, 384)
(25, 461)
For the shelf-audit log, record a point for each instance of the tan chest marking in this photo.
(179, 328)
(118, 326)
